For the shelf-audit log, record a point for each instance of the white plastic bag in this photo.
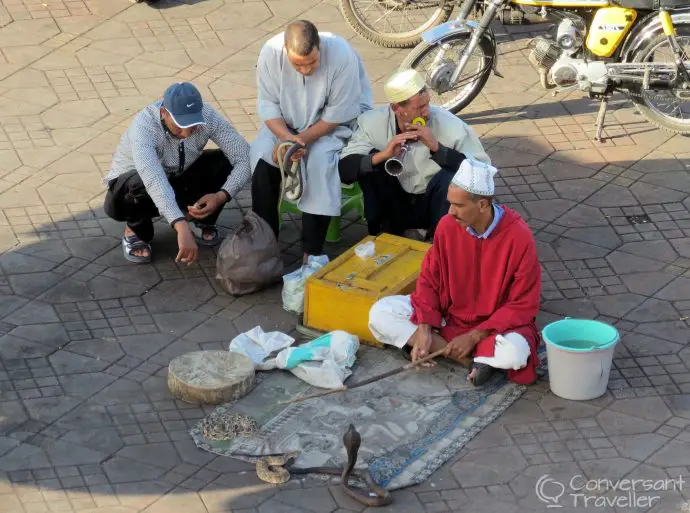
(366, 250)
(294, 282)
(324, 362)
(257, 345)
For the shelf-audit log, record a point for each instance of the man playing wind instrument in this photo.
(437, 142)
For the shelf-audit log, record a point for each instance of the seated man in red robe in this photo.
(478, 292)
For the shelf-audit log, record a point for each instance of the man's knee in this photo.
(123, 194)
(216, 161)
(511, 351)
(390, 309)
(389, 320)
(441, 180)
(110, 208)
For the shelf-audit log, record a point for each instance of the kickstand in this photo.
(601, 116)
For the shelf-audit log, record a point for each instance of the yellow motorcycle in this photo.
(639, 47)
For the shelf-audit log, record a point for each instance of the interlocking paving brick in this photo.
(108, 317)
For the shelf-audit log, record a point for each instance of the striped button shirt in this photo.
(155, 154)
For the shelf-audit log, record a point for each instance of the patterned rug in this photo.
(410, 424)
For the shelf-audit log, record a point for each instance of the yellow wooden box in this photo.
(339, 295)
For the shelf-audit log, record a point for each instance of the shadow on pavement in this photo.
(85, 338)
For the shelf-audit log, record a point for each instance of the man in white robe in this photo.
(312, 86)
(415, 198)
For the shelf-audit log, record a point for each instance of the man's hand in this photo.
(424, 135)
(295, 156)
(207, 204)
(463, 345)
(299, 153)
(394, 145)
(188, 249)
(422, 340)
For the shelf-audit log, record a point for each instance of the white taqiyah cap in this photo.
(475, 177)
(403, 85)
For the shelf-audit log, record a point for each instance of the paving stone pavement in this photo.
(86, 421)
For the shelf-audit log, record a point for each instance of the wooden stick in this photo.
(366, 381)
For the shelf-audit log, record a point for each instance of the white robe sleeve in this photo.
(471, 146)
(343, 102)
(268, 85)
(360, 143)
(366, 99)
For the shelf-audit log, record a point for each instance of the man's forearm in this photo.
(279, 128)
(317, 130)
(379, 158)
(180, 225)
(479, 335)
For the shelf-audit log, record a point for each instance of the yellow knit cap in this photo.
(403, 85)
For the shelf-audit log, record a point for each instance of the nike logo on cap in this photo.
(190, 105)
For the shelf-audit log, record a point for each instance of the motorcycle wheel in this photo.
(393, 36)
(454, 102)
(650, 102)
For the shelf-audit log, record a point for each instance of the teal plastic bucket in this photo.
(579, 354)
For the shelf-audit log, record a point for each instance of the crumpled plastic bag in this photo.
(257, 345)
(249, 260)
(324, 362)
(294, 283)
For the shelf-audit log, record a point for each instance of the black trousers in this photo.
(127, 199)
(389, 208)
(265, 197)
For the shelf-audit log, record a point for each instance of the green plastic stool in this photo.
(352, 199)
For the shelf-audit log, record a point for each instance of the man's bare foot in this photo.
(479, 374)
(139, 252)
(472, 375)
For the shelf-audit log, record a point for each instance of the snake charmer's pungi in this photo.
(478, 292)
(416, 198)
(311, 88)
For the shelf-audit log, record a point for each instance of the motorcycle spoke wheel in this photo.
(428, 61)
(395, 23)
(665, 107)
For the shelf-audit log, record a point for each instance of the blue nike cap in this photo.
(183, 101)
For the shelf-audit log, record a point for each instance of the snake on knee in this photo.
(275, 469)
(291, 185)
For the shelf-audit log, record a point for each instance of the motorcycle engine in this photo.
(570, 35)
(555, 57)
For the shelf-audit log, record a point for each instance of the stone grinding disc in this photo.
(210, 377)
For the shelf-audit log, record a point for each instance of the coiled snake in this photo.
(291, 185)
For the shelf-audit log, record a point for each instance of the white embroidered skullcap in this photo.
(475, 177)
(403, 85)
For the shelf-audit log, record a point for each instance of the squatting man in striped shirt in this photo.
(161, 168)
